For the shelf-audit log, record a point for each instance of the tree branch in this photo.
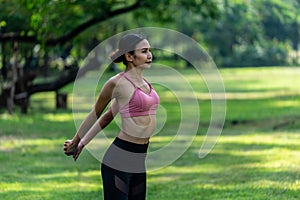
(69, 36)
(17, 37)
(60, 82)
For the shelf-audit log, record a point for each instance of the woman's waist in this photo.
(138, 132)
(133, 138)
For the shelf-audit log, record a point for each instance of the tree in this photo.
(236, 31)
(251, 32)
(33, 33)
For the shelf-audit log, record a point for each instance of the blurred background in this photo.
(44, 40)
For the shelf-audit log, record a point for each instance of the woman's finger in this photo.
(76, 154)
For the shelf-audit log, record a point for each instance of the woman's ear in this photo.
(128, 57)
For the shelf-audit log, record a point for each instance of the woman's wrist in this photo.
(81, 144)
(76, 139)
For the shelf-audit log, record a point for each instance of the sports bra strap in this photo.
(124, 74)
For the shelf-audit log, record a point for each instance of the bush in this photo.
(265, 53)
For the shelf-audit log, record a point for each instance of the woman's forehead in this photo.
(143, 44)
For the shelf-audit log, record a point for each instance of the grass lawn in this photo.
(257, 155)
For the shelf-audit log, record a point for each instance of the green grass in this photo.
(256, 157)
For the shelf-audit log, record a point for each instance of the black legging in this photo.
(123, 171)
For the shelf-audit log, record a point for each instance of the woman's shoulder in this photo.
(120, 85)
(115, 79)
(119, 82)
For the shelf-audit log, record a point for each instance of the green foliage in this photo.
(89, 22)
(268, 53)
(276, 17)
(230, 30)
(51, 19)
(252, 33)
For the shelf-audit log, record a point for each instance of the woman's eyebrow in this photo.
(146, 48)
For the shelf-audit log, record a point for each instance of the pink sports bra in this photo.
(140, 103)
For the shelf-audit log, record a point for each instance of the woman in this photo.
(123, 167)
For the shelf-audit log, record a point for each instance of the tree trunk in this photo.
(10, 97)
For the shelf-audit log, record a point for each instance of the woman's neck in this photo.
(135, 74)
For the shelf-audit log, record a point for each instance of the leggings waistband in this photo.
(130, 146)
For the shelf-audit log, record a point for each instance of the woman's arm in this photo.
(104, 98)
(105, 119)
(70, 146)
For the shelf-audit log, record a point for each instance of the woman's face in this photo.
(142, 55)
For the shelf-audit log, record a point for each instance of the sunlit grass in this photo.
(255, 166)
(58, 118)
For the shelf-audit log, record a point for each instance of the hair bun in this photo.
(116, 56)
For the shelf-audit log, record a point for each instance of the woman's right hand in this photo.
(70, 147)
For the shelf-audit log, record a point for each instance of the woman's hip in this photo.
(126, 156)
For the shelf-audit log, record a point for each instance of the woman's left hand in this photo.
(70, 147)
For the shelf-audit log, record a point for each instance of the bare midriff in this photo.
(138, 129)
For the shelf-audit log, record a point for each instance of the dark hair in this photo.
(127, 44)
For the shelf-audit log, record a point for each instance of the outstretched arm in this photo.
(106, 118)
(70, 146)
(104, 98)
